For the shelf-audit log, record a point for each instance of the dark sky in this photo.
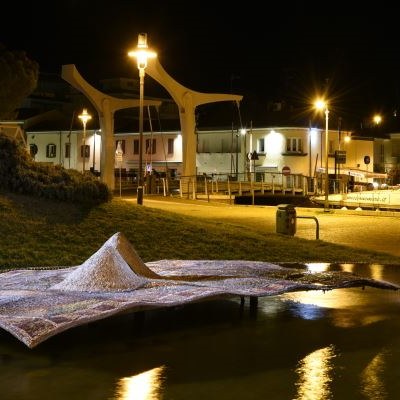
(272, 50)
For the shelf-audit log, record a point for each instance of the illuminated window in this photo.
(33, 149)
(51, 150)
(331, 147)
(151, 146)
(382, 153)
(170, 146)
(135, 146)
(294, 145)
(261, 146)
(85, 150)
(67, 150)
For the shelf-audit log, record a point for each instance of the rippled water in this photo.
(342, 344)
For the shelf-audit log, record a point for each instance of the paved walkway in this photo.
(372, 230)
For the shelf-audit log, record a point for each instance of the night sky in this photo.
(263, 50)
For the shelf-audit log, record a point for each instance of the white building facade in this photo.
(220, 153)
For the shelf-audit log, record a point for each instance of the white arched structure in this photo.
(187, 101)
(106, 106)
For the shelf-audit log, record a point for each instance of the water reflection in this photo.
(315, 374)
(144, 386)
(303, 345)
(377, 271)
(343, 307)
(317, 267)
(348, 268)
(374, 271)
(371, 378)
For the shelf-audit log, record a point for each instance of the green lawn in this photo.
(36, 232)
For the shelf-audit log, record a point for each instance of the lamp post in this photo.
(237, 156)
(322, 105)
(94, 152)
(243, 133)
(339, 155)
(84, 117)
(142, 54)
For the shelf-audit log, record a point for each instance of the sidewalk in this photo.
(373, 230)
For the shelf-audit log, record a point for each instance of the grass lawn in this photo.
(36, 232)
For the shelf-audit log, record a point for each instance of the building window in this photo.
(382, 153)
(151, 146)
(294, 145)
(261, 146)
(122, 145)
(170, 146)
(67, 150)
(331, 147)
(136, 146)
(33, 149)
(85, 150)
(51, 150)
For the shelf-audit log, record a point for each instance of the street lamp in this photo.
(377, 119)
(84, 117)
(322, 105)
(142, 54)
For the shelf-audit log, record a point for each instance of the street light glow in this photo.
(377, 119)
(142, 54)
(320, 104)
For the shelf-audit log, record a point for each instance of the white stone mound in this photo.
(129, 254)
(115, 266)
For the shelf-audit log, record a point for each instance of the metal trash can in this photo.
(286, 219)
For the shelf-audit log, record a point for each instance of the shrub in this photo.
(20, 174)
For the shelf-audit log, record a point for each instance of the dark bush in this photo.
(20, 174)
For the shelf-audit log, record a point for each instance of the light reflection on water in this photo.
(343, 305)
(338, 344)
(315, 374)
(144, 386)
(372, 383)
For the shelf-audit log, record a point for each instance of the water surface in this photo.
(341, 344)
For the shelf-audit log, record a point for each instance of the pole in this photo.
(245, 159)
(84, 117)
(309, 149)
(251, 151)
(84, 146)
(326, 204)
(237, 156)
(94, 150)
(232, 160)
(140, 183)
(340, 143)
(120, 188)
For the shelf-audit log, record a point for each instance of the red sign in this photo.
(285, 170)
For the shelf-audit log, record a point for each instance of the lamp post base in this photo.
(140, 195)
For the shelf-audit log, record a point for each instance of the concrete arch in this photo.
(187, 101)
(106, 106)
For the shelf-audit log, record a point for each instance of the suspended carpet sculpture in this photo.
(36, 304)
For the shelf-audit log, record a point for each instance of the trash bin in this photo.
(286, 219)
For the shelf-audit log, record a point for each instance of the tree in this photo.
(18, 79)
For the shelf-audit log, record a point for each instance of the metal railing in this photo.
(222, 185)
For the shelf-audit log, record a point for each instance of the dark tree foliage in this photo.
(18, 79)
(20, 174)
